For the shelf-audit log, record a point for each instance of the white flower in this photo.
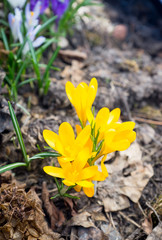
(32, 16)
(17, 3)
(35, 42)
(15, 24)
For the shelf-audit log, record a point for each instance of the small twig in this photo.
(147, 121)
(139, 205)
(111, 219)
(153, 211)
(129, 220)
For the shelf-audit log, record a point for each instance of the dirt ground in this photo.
(119, 44)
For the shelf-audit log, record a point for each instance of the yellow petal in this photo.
(101, 176)
(70, 91)
(122, 135)
(94, 83)
(82, 138)
(89, 192)
(54, 171)
(78, 129)
(68, 183)
(114, 115)
(92, 90)
(122, 145)
(131, 136)
(90, 117)
(77, 188)
(89, 172)
(126, 126)
(103, 167)
(85, 183)
(66, 134)
(52, 139)
(102, 117)
(81, 159)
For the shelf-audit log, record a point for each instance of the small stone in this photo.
(120, 32)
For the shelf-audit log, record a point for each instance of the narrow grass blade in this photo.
(44, 155)
(23, 66)
(18, 133)
(4, 22)
(11, 166)
(26, 82)
(51, 62)
(4, 38)
(35, 64)
(46, 24)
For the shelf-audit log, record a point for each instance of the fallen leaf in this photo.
(128, 176)
(156, 233)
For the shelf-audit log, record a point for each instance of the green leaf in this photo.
(4, 22)
(45, 45)
(18, 133)
(26, 81)
(44, 155)
(47, 23)
(35, 64)
(4, 38)
(11, 166)
(23, 66)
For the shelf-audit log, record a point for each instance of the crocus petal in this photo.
(131, 136)
(39, 41)
(86, 184)
(126, 126)
(70, 91)
(81, 159)
(121, 145)
(66, 134)
(77, 188)
(17, 3)
(52, 139)
(92, 91)
(68, 183)
(82, 138)
(114, 115)
(89, 172)
(90, 117)
(89, 192)
(101, 176)
(78, 129)
(54, 171)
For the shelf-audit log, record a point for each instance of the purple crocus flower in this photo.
(36, 42)
(43, 5)
(59, 7)
(15, 24)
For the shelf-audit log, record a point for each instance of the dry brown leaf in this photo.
(56, 216)
(147, 225)
(128, 176)
(74, 73)
(81, 219)
(156, 233)
(21, 215)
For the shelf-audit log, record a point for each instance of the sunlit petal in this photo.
(86, 184)
(114, 115)
(89, 172)
(66, 134)
(54, 171)
(89, 191)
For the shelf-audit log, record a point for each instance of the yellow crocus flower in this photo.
(116, 136)
(78, 173)
(65, 142)
(82, 97)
